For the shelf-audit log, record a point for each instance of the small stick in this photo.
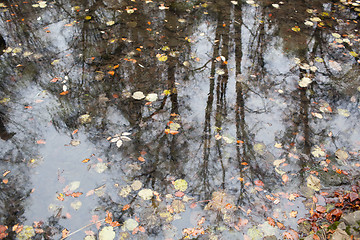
(82, 228)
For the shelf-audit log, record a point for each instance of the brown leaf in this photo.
(280, 225)
(334, 215)
(271, 221)
(3, 233)
(353, 196)
(320, 209)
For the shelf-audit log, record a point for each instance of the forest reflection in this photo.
(247, 107)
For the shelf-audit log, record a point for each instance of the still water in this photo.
(175, 119)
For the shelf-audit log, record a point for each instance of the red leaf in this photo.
(259, 183)
(41, 141)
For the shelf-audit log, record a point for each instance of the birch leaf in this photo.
(107, 233)
(313, 182)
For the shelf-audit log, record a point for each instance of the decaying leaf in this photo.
(178, 206)
(313, 182)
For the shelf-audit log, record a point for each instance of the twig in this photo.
(82, 228)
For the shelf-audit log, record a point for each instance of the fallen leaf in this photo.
(313, 182)
(107, 233)
(146, 194)
(130, 225)
(138, 95)
(180, 185)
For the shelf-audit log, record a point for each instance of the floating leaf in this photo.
(130, 224)
(341, 155)
(304, 82)
(278, 162)
(354, 54)
(178, 206)
(343, 112)
(85, 118)
(259, 148)
(74, 185)
(76, 205)
(151, 97)
(138, 95)
(162, 57)
(313, 182)
(146, 194)
(119, 143)
(180, 185)
(125, 191)
(110, 23)
(107, 233)
(335, 65)
(296, 29)
(220, 71)
(309, 23)
(336, 35)
(136, 185)
(317, 151)
(100, 167)
(75, 142)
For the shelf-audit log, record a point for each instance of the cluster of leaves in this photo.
(325, 219)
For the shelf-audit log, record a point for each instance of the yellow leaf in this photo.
(295, 29)
(180, 185)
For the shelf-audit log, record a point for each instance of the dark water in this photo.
(248, 100)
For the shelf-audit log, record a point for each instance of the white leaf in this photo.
(317, 151)
(100, 167)
(136, 185)
(146, 194)
(107, 233)
(335, 65)
(305, 81)
(130, 224)
(125, 191)
(344, 112)
(119, 143)
(74, 185)
(110, 23)
(313, 182)
(220, 71)
(138, 95)
(115, 139)
(76, 205)
(125, 138)
(151, 97)
(126, 134)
